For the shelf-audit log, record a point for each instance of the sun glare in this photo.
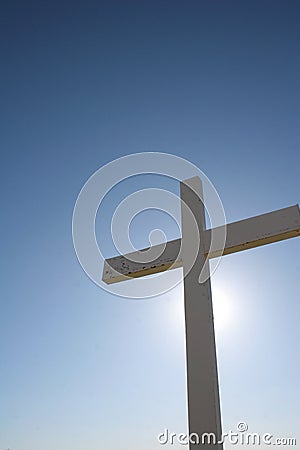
(222, 308)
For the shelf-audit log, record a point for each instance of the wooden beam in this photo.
(259, 230)
(242, 235)
(121, 268)
(204, 414)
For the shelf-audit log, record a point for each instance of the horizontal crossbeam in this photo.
(242, 235)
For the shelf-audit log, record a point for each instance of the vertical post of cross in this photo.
(204, 415)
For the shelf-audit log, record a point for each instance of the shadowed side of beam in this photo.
(242, 235)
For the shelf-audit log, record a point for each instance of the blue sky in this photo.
(83, 83)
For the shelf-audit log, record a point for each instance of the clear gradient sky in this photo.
(82, 83)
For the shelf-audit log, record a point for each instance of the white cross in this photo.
(204, 414)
